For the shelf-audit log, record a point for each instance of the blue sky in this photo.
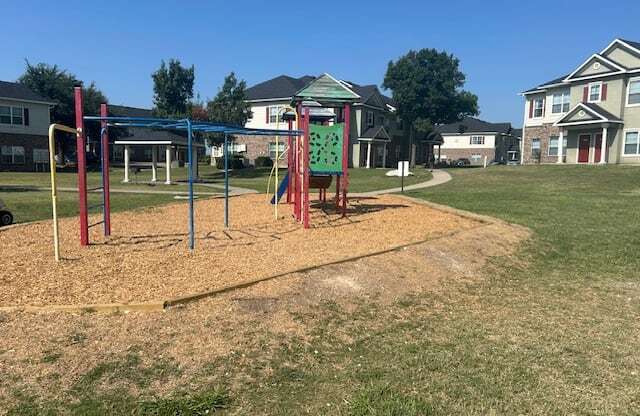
(504, 46)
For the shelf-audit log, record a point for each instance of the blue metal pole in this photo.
(226, 180)
(190, 158)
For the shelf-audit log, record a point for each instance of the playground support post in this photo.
(190, 159)
(104, 155)
(305, 170)
(297, 194)
(226, 180)
(54, 188)
(82, 167)
(290, 153)
(345, 157)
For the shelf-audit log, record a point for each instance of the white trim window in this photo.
(275, 113)
(12, 155)
(595, 92)
(553, 146)
(631, 143)
(561, 102)
(11, 115)
(40, 156)
(538, 107)
(535, 148)
(370, 119)
(633, 92)
(272, 149)
(476, 140)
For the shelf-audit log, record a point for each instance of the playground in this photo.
(147, 258)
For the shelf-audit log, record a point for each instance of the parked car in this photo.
(6, 218)
(461, 163)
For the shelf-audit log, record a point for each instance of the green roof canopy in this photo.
(326, 88)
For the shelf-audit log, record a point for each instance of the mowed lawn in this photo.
(29, 204)
(552, 330)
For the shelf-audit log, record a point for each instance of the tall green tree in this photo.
(57, 84)
(427, 88)
(173, 89)
(229, 105)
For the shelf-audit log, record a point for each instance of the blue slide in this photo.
(281, 189)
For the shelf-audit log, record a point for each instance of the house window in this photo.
(631, 143)
(476, 140)
(40, 156)
(633, 96)
(553, 146)
(275, 114)
(370, 119)
(538, 107)
(595, 92)
(12, 155)
(272, 149)
(12, 115)
(535, 148)
(561, 102)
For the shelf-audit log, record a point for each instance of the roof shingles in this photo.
(13, 90)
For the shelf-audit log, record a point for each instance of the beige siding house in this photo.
(591, 115)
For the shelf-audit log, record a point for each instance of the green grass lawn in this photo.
(553, 330)
(29, 205)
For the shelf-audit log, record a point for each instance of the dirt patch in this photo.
(62, 347)
(147, 259)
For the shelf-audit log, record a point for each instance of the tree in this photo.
(173, 89)
(57, 84)
(427, 88)
(229, 105)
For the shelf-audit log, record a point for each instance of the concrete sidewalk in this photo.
(439, 177)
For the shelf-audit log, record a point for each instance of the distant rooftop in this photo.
(17, 91)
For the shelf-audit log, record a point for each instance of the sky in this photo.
(504, 47)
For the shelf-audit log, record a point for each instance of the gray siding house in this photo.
(24, 128)
(591, 115)
(375, 132)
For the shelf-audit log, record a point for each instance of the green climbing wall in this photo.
(325, 151)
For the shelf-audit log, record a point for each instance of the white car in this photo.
(6, 218)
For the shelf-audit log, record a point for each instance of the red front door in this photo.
(583, 148)
(598, 148)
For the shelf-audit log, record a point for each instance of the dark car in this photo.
(6, 218)
(461, 163)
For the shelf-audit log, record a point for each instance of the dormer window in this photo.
(595, 92)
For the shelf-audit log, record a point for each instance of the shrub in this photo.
(263, 162)
(235, 162)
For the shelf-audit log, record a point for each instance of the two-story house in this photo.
(374, 127)
(591, 115)
(24, 125)
(478, 140)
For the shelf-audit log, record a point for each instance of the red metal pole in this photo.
(104, 112)
(290, 162)
(345, 157)
(82, 168)
(305, 167)
(297, 188)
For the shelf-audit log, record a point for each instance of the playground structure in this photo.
(319, 153)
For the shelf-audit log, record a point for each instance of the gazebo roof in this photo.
(326, 89)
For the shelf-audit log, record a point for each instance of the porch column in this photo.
(384, 156)
(368, 155)
(560, 144)
(154, 163)
(167, 160)
(126, 163)
(603, 146)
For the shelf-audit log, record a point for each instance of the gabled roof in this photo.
(283, 86)
(616, 68)
(125, 111)
(13, 90)
(593, 114)
(327, 88)
(473, 125)
(379, 133)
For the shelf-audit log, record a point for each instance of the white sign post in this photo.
(403, 167)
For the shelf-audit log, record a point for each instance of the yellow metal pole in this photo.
(54, 191)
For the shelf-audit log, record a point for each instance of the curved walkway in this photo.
(439, 177)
